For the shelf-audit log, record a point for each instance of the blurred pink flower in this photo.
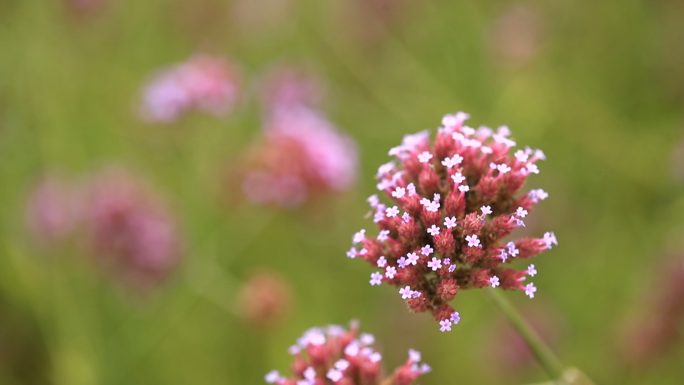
(53, 210)
(516, 35)
(130, 231)
(290, 87)
(265, 299)
(206, 83)
(301, 154)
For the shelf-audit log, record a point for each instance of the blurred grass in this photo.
(603, 98)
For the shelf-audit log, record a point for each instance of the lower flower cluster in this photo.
(334, 355)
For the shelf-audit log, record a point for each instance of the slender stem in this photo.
(543, 353)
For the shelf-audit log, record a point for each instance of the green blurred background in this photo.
(599, 86)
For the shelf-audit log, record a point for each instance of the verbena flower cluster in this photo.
(301, 154)
(206, 83)
(117, 218)
(454, 203)
(339, 356)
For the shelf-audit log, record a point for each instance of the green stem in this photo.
(546, 357)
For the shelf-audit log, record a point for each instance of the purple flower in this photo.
(402, 262)
(530, 290)
(486, 210)
(434, 230)
(473, 241)
(550, 239)
(358, 237)
(445, 325)
(531, 271)
(435, 264)
(426, 250)
(412, 258)
(382, 262)
(424, 157)
(458, 178)
(382, 237)
(399, 192)
(390, 272)
(494, 281)
(334, 375)
(512, 250)
(376, 279)
(406, 292)
(406, 217)
(464, 188)
(455, 317)
(450, 222)
(392, 211)
(521, 212)
(411, 188)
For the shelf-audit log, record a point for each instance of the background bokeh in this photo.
(599, 86)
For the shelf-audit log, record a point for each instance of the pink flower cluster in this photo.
(339, 356)
(206, 83)
(454, 202)
(125, 227)
(301, 153)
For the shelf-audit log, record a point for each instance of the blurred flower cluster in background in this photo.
(179, 181)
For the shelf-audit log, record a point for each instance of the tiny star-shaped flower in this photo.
(435, 264)
(463, 188)
(446, 261)
(426, 250)
(532, 168)
(503, 168)
(531, 271)
(550, 239)
(411, 188)
(341, 364)
(458, 178)
(450, 222)
(359, 236)
(512, 250)
(272, 377)
(406, 292)
(382, 237)
(382, 262)
(334, 375)
(434, 230)
(399, 192)
(486, 210)
(406, 217)
(416, 294)
(452, 268)
(445, 325)
(486, 150)
(530, 290)
(521, 156)
(503, 255)
(375, 357)
(351, 253)
(376, 279)
(392, 211)
(412, 258)
(494, 281)
(373, 200)
(310, 373)
(402, 262)
(424, 157)
(390, 272)
(414, 355)
(473, 241)
(521, 212)
(455, 317)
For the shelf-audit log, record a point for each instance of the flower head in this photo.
(203, 82)
(342, 356)
(466, 176)
(300, 155)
